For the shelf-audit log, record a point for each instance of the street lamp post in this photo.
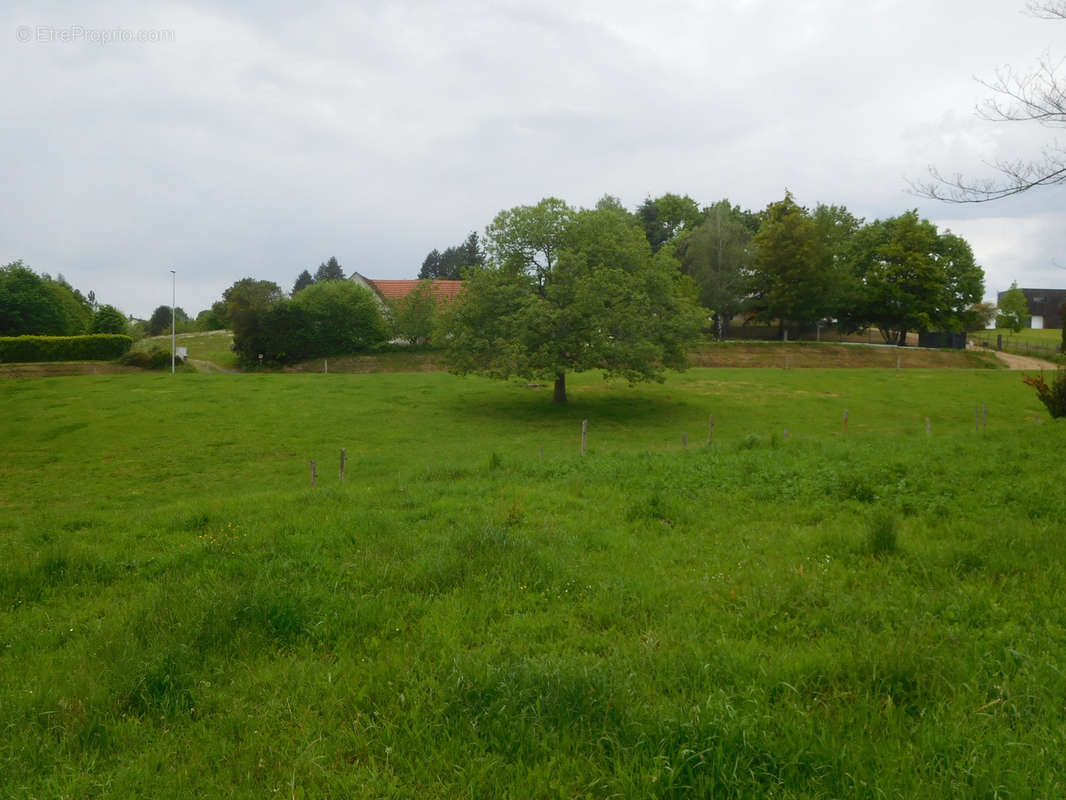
(173, 298)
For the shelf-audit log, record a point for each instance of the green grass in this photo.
(822, 614)
(213, 346)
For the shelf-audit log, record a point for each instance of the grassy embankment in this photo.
(873, 613)
(212, 346)
(210, 352)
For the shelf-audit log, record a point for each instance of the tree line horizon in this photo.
(607, 287)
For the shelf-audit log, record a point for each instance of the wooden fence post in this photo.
(684, 440)
(710, 428)
(343, 455)
(584, 434)
(844, 429)
(927, 427)
(314, 473)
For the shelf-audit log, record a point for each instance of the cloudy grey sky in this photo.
(258, 139)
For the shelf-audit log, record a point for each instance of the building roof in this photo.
(397, 290)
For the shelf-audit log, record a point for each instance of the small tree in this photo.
(109, 319)
(979, 316)
(160, 321)
(414, 316)
(1053, 396)
(303, 280)
(1013, 309)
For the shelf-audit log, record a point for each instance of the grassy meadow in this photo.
(480, 611)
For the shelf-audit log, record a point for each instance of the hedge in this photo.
(97, 347)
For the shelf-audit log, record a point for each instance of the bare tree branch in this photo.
(1038, 96)
(1049, 9)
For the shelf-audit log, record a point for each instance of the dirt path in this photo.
(208, 366)
(1023, 362)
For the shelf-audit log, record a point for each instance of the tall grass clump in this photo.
(882, 533)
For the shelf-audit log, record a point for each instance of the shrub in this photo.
(96, 347)
(156, 358)
(883, 533)
(340, 317)
(1053, 396)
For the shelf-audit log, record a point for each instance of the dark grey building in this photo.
(1045, 306)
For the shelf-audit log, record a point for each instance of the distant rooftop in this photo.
(397, 290)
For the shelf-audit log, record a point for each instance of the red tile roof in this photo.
(397, 290)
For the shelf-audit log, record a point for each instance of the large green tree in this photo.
(788, 282)
(27, 304)
(1013, 309)
(717, 255)
(569, 291)
(913, 278)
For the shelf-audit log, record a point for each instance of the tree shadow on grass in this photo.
(613, 402)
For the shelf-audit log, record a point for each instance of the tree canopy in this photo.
(340, 317)
(570, 290)
(665, 217)
(911, 277)
(109, 319)
(32, 304)
(717, 256)
(788, 280)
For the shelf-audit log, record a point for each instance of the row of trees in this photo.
(572, 289)
(450, 264)
(797, 266)
(39, 305)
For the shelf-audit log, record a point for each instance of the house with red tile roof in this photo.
(388, 292)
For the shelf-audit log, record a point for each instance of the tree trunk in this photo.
(560, 387)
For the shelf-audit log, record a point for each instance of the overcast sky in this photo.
(259, 139)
